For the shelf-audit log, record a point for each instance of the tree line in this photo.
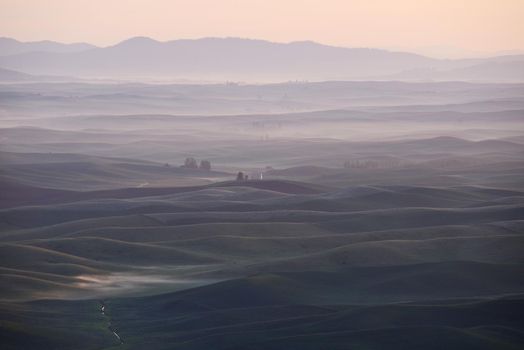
(192, 163)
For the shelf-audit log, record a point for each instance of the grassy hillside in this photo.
(236, 229)
(377, 215)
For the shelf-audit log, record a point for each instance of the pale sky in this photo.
(475, 26)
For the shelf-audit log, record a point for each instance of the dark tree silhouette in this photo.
(240, 176)
(191, 163)
(205, 165)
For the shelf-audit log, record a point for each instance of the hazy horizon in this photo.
(242, 60)
(447, 29)
(438, 52)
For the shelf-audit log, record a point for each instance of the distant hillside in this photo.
(244, 59)
(10, 46)
(11, 75)
(493, 71)
(215, 58)
(8, 75)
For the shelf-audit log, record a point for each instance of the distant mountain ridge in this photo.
(10, 46)
(248, 60)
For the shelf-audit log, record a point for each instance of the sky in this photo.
(435, 27)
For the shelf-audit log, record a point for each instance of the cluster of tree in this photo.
(191, 163)
(242, 177)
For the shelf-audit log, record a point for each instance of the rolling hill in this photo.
(377, 215)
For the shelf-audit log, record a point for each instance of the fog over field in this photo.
(225, 193)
